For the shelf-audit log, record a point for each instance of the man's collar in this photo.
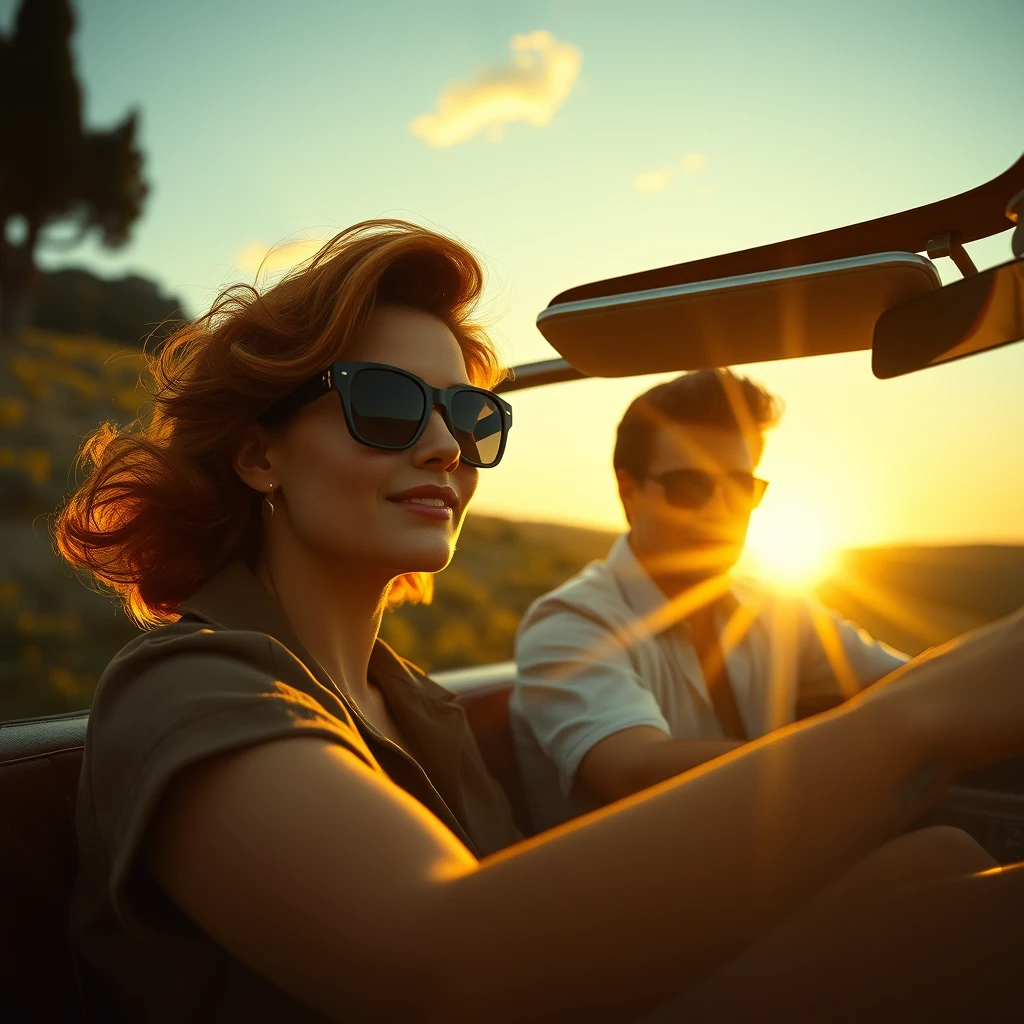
(642, 594)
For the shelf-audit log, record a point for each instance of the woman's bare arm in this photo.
(349, 894)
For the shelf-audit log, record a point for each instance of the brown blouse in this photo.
(231, 673)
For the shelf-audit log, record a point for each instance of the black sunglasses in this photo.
(388, 408)
(692, 488)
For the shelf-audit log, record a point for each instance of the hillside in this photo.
(916, 597)
(56, 635)
(124, 310)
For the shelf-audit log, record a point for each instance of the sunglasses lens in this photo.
(687, 488)
(477, 422)
(387, 408)
(744, 491)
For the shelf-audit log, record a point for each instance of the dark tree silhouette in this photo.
(129, 309)
(53, 171)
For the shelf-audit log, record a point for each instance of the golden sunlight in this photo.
(788, 544)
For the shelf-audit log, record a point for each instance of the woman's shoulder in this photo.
(188, 649)
(189, 633)
(192, 689)
(195, 671)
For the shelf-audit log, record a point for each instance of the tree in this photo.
(53, 171)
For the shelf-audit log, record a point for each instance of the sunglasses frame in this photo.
(339, 376)
(760, 486)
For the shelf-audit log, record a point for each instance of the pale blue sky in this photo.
(262, 121)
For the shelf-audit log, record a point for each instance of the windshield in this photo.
(564, 145)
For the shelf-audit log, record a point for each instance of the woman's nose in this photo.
(437, 445)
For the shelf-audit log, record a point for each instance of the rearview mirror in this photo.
(808, 310)
(981, 312)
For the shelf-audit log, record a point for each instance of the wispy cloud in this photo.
(534, 83)
(658, 181)
(273, 259)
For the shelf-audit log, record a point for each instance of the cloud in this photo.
(534, 83)
(654, 181)
(694, 162)
(274, 259)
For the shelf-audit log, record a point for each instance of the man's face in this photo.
(691, 542)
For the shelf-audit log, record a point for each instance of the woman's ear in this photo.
(253, 459)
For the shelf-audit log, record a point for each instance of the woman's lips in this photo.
(431, 508)
(432, 501)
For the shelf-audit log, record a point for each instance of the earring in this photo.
(268, 506)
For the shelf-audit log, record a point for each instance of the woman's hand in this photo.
(967, 696)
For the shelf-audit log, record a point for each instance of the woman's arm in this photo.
(346, 892)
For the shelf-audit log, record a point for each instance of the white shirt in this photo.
(586, 670)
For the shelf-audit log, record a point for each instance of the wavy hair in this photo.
(161, 508)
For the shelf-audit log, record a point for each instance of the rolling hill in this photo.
(56, 635)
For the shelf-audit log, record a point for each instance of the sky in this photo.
(572, 140)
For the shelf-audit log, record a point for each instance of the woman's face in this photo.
(344, 501)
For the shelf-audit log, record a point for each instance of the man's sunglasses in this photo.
(388, 408)
(692, 488)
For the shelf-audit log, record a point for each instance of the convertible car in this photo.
(862, 286)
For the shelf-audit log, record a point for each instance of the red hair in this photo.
(163, 508)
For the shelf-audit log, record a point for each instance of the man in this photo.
(654, 661)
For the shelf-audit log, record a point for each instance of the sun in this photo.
(788, 545)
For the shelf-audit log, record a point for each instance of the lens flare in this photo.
(788, 545)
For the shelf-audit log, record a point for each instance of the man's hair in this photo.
(706, 398)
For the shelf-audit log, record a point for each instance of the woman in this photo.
(279, 819)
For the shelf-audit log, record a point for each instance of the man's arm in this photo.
(837, 659)
(580, 690)
(635, 759)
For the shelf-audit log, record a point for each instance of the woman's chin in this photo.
(425, 559)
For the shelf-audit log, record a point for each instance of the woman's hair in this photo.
(163, 508)
(707, 398)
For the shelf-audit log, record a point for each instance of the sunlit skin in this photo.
(337, 538)
(680, 547)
